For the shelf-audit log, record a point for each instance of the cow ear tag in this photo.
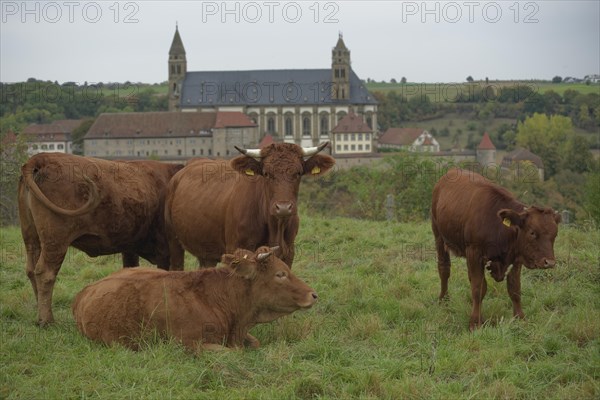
(315, 170)
(506, 221)
(249, 172)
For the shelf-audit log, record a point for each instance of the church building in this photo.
(299, 106)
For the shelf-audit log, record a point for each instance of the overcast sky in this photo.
(433, 41)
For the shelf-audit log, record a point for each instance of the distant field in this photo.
(377, 331)
(448, 89)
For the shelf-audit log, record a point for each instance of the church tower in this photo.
(177, 70)
(340, 71)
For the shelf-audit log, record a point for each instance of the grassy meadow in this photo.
(377, 330)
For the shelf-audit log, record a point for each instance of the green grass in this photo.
(376, 332)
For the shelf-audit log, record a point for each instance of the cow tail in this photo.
(93, 195)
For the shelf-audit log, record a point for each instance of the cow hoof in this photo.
(45, 324)
(444, 299)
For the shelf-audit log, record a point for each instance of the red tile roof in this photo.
(159, 124)
(351, 123)
(401, 136)
(486, 143)
(267, 140)
(55, 131)
(231, 119)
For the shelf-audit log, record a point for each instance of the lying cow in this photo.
(213, 207)
(98, 206)
(206, 308)
(477, 219)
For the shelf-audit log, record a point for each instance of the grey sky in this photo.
(90, 41)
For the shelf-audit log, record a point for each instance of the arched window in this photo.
(370, 122)
(270, 125)
(306, 126)
(288, 126)
(324, 125)
(178, 69)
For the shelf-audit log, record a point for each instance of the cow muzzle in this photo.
(543, 263)
(311, 299)
(283, 209)
(548, 263)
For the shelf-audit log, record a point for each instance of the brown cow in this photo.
(98, 206)
(206, 308)
(477, 219)
(213, 207)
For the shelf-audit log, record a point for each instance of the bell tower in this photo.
(340, 71)
(177, 70)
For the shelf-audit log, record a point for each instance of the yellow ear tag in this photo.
(315, 170)
(506, 221)
(249, 172)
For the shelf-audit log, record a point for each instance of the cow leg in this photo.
(443, 261)
(478, 286)
(46, 269)
(33, 255)
(176, 253)
(513, 284)
(130, 259)
(251, 342)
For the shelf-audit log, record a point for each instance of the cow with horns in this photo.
(215, 206)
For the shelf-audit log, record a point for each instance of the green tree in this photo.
(577, 155)
(546, 137)
(78, 134)
(557, 79)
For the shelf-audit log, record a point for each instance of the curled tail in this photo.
(93, 195)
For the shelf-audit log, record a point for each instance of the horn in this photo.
(254, 153)
(274, 249)
(263, 256)
(311, 151)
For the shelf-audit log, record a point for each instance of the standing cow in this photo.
(477, 219)
(207, 308)
(213, 207)
(98, 206)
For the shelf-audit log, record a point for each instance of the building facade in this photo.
(410, 139)
(169, 136)
(352, 136)
(52, 137)
(294, 105)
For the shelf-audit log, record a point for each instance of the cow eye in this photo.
(532, 234)
(281, 274)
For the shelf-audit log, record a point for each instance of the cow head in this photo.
(536, 230)
(280, 166)
(275, 290)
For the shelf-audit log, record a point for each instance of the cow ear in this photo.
(246, 166)
(227, 259)
(244, 267)
(557, 218)
(318, 164)
(511, 218)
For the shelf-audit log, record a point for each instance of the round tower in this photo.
(486, 151)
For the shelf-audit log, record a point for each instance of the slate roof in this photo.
(286, 87)
(161, 124)
(177, 44)
(351, 123)
(522, 154)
